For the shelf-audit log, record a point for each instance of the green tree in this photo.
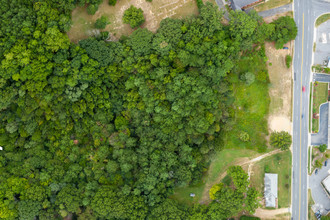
(101, 22)
(28, 209)
(323, 148)
(285, 30)
(92, 9)
(133, 16)
(280, 140)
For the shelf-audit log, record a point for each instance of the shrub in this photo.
(243, 136)
(112, 2)
(133, 16)
(102, 22)
(318, 164)
(149, 0)
(266, 168)
(323, 147)
(280, 140)
(248, 78)
(288, 60)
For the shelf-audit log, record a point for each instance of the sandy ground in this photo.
(247, 166)
(273, 214)
(280, 89)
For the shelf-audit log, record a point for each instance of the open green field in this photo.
(322, 19)
(278, 163)
(220, 162)
(320, 95)
(271, 4)
(251, 106)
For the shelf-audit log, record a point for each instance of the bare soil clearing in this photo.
(280, 90)
(154, 12)
(272, 214)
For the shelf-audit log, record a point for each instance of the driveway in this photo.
(321, 77)
(322, 136)
(275, 11)
(322, 40)
(322, 202)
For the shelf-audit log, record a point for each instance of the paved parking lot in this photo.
(322, 202)
(322, 41)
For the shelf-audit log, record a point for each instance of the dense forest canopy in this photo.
(107, 129)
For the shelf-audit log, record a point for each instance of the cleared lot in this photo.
(154, 12)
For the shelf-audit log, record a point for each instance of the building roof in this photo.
(238, 4)
(271, 189)
(326, 184)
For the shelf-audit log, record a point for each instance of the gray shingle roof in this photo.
(242, 3)
(270, 189)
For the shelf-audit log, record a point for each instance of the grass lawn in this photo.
(271, 4)
(311, 215)
(278, 163)
(320, 95)
(322, 19)
(309, 158)
(220, 162)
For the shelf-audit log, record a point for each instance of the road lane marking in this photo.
(301, 74)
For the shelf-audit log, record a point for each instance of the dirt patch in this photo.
(282, 213)
(154, 12)
(280, 123)
(280, 89)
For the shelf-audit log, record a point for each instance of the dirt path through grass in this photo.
(205, 197)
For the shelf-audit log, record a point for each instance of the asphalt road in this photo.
(274, 11)
(305, 13)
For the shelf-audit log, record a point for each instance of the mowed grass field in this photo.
(220, 162)
(320, 95)
(154, 12)
(278, 163)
